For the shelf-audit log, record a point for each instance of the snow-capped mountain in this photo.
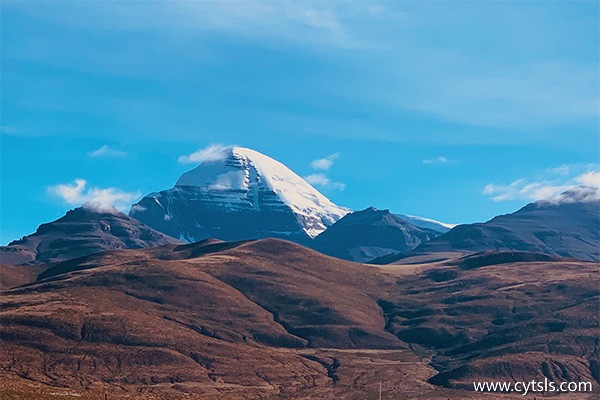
(427, 223)
(241, 195)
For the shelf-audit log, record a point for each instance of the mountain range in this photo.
(241, 194)
(196, 295)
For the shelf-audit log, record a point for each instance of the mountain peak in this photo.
(239, 193)
(371, 233)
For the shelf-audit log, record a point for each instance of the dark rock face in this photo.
(191, 214)
(240, 195)
(566, 229)
(81, 232)
(365, 235)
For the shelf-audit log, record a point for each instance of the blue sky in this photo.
(457, 111)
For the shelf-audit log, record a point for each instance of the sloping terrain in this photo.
(228, 321)
(501, 316)
(80, 232)
(565, 228)
(271, 319)
(17, 275)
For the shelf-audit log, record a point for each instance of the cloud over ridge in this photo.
(100, 199)
(212, 152)
(550, 188)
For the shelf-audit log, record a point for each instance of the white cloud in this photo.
(106, 199)
(106, 151)
(324, 163)
(320, 179)
(591, 178)
(521, 189)
(137, 208)
(213, 152)
(323, 181)
(437, 160)
(296, 22)
(545, 189)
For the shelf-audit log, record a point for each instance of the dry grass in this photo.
(270, 319)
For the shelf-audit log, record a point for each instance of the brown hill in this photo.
(236, 318)
(501, 316)
(271, 319)
(17, 275)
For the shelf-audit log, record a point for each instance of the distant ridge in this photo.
(80, 232)
(364, 235)
(568, 226)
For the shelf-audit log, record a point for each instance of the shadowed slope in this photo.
(567, 229)
(364, 235)
(510, 316)
(80, 232)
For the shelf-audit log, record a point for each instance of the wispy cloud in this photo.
(320, 179)
(101, 199)
(544, 189)
(107, 151)
(324, 163)
(213, 152)
(323, 181)
(437, 160)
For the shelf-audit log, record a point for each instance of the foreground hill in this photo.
(272, 319)
(17, 275)
(569, 227)
(501, 316)
(80, 232)
(209, 319)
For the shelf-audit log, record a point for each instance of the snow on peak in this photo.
(242, 170)
(428, 223)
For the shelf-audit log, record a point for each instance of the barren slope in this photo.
(272, 319)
